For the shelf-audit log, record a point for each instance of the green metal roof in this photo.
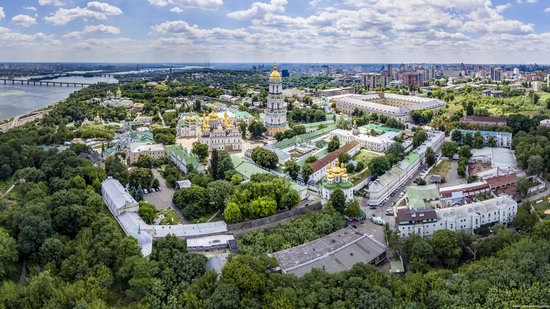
(417, 195)
(381, 128)
(303, 138)
(185, 156)
(411, 157)
(245, 168)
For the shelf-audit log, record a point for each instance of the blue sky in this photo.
(470, 31)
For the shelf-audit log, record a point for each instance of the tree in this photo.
(292, 169)
(290, 199)
(310, 159)
(200, 150)
(264, 157)
(220, 164)
(333, 144)
(420, 181)
(396, 150)
(256, 129)
(378, 166)
(461, 168)
(279, 136)
(51, 251)
(447, 247)
(524, 219)
(344, 158)
(218, 193)
(232, 213)
(338, 200)
(449, 149)
(147, 212)
(353, 210)
(464, 152)
(419, 137)
(307, 171)
(491, 142)
(456, 136)
(115, 168)
(524, 185)
(192, 201)
(478, 140)
(226, 296)
(141, 177)
(536, 165)
(8, 253)
(146, 162)
(244, 129)
(430, 158)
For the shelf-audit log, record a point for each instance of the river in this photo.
(17, 100)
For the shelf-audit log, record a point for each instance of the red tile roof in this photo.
(326, 160)
(483, 119)
(504, 180)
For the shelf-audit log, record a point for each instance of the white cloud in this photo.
(30, 8)
(198, 4)
(260, 9)
(176, 10)
(102, 29)
(2, 15)
(53, 2)
(93, 10)
(24, 20)
(547, 10)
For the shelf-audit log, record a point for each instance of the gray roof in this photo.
(117, 193)
(335, 252)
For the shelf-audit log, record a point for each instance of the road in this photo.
(377, 231)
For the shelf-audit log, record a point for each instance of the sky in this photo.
(311, 31)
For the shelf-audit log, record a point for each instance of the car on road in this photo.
(389, 212)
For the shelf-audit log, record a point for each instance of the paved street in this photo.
(377, 231)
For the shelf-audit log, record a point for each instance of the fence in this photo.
(275, 218)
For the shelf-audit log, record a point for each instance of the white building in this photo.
(274, 117)
(155, 151)
(337, 178)
(466, 218)
(500, 139)
(188, 125)
(375, 143)
(388, 104)
(321, 166)
(545, 123)
(220, 134)
(125, 210)
(537, 86)
(383, 186)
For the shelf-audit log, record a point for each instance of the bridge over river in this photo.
(29, 82)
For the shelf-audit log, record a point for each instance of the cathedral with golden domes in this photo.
(337, 178)
(220, 134)
(274, 117)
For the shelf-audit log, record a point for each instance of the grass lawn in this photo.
(441, 169)
(170, 217)
(365, 156)
(541, 207)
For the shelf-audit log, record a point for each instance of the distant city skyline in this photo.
(298, 31)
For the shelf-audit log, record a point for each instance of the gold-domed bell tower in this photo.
(275, 113)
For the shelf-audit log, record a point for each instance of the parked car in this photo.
(145, 191)
(389, 212)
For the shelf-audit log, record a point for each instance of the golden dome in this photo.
(213, 116)
(275, 74)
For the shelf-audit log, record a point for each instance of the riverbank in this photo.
(5, 125)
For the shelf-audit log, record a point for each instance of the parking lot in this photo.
(163, 198)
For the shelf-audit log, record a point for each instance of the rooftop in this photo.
(319, 164)
(289, 142)
(335, 252)
(418, 195)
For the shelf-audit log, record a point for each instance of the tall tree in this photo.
(338, 200)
